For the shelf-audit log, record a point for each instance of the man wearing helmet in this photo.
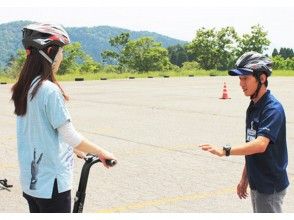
(46, 137)
(265, 149)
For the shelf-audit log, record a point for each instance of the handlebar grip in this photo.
(90, 157)
(111, 163)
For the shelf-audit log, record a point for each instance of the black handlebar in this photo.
(90, 159)
(111, 163)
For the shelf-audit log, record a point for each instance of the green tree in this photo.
(72, 54)
(190, 65)
(118, 42)
(275, 52)
(286, 52)
(226, 40)
(214, 49)
(203, 46)
(256, 40)
(177, 55)
(15, 64)
(144, 54)
(290, 63)
(278, 62)
(282, 63)
(89, 65)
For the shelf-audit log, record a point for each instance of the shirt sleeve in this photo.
(56, 110)
(270, 124)
(69, 134)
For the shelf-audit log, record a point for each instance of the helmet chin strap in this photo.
(48, 58)
(45, 56)
(255, 94)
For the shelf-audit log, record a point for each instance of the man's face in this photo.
(248, 84)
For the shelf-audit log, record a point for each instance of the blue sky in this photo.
(177, 19)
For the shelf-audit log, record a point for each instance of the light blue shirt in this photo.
(43, 156)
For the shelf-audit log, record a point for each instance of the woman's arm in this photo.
(81, 145)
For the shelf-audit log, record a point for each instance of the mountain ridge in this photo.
(94, 40)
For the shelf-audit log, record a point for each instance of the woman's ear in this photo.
(49, 49)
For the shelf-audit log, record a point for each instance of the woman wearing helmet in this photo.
(265, 149)
(46, 138)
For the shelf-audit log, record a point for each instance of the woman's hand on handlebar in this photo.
(105, 155)
(80, 154)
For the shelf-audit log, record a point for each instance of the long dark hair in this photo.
(35, 65)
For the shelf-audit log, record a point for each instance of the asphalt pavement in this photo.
(154, 127)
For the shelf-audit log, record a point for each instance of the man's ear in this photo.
(263, 78)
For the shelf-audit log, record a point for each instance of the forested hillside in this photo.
(94, 40)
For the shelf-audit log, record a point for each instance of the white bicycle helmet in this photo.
(40, 36)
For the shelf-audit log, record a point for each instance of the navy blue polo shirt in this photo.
(267, 171)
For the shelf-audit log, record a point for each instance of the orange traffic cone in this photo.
(225, 92)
